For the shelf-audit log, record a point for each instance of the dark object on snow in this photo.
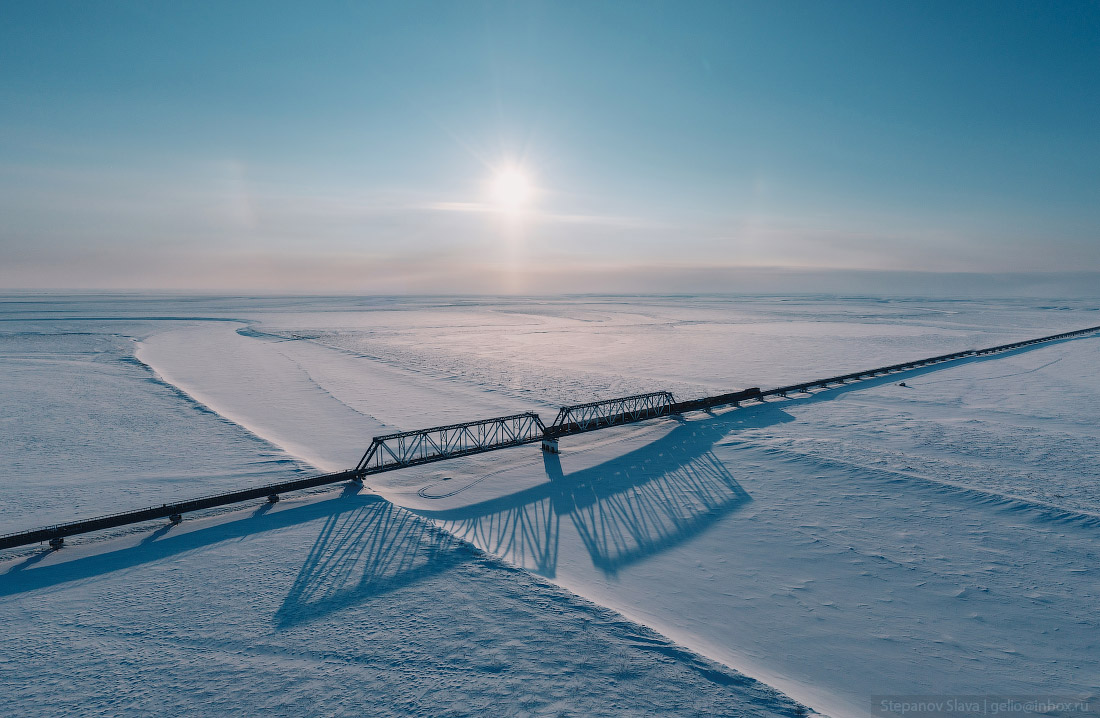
(901, 384)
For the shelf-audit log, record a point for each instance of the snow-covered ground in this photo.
(339, 604)
(937, 538)
(86, 428)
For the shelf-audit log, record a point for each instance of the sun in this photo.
(511, 189)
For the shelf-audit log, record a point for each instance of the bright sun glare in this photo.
(511, 189)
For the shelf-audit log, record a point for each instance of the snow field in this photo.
(339, 604)
(865, 540)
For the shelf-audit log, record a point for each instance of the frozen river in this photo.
(937, 538)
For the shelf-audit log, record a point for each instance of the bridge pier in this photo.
(273, 499)
(175, 519)
(57, 543)
(550, 446)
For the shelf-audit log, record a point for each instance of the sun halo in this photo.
(511, 189)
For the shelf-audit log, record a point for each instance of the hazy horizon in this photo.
(661, 282)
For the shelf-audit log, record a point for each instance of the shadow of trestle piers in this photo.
(625, 509)
(363, 553)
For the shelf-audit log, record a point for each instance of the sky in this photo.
(665, 146)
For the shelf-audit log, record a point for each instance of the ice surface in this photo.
(865, 540)
(338, 605)
(565, 351)
(89, 430)
(320, 405)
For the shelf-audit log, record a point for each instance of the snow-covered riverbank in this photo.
(867, 540)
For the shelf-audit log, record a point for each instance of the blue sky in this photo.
(349, 146)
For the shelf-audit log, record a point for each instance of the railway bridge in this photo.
(440, 443)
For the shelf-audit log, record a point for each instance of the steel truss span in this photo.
(411, 448)
(610, 412)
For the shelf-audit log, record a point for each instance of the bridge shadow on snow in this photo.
(638, 504)
(365, 547)
(163, 543)
(625, 509)
(360, 554)
(647, 500)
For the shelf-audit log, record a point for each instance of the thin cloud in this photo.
(536, 216)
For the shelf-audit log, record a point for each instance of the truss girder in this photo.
(410, 448)
(609, 412)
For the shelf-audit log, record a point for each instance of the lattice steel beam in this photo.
(410, 448)
(609, 412)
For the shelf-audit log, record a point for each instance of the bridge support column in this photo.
(273, 499)
(175, 519)
(550, 446)
(57, 543)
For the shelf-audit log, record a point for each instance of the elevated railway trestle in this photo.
(413, 448)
